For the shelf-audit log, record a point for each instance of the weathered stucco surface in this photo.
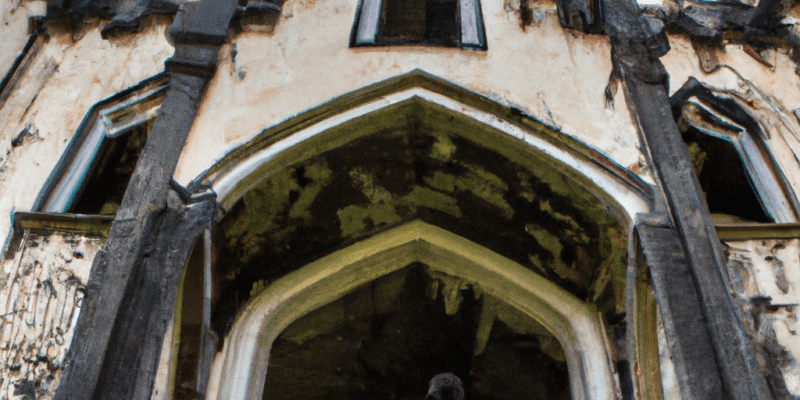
(766, 282)
(41, 290)
(71, 73)
(554, 74)
(14, 26)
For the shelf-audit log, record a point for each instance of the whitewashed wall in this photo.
(556, 75)
(765, 279)
(769, 85)
(14, 27)
(71, 73)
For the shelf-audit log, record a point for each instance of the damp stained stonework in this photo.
(419, 165)
(768, 294)
(386, 339)
(41, 292)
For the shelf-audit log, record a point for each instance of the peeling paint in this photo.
(769, 296)
(71, 72)
(41, 290)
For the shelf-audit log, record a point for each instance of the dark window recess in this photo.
(93, 173)
(107, 180)
(735, 168)
(419, 21)
(725, 183)
(448, 23)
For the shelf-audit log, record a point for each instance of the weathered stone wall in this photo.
(41, 291)
(765, 279)
(71, 72)
(14, 28)
(556, 75)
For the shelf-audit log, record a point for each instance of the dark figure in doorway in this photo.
(445, 386)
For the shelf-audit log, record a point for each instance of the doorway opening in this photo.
(388, 338)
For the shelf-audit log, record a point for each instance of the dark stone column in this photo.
(674, 286)
(132, 285)
(635, 49)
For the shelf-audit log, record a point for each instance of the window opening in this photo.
(734, 173)
(94, 171)
(106, 182)
(448, 23)
(388, 338)
(735, 168)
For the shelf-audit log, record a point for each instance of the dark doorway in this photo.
(387, 339)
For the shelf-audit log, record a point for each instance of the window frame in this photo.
(368, 26)
(107, 119)
(760, 169)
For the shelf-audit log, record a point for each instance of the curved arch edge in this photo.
(620, 189)
(239, 370)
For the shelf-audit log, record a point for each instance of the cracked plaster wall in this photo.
(765, 281)
(557, 75)
(72, 72)
(41, 290)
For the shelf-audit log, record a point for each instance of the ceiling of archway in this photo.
(421, 163)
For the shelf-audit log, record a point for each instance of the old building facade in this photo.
(572, 199)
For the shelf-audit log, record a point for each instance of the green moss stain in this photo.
(425, 197)
(366, 183)
(698, 156)
(319, 175)
(353, 219)
(283, 199)
(481, 183)
(258, 286)
(537, 262)
(525, 190)
(447, 171)
(576, 232)
(443, 149)
(553, 245)
(441, 181)
(386, 207)
(487, 186)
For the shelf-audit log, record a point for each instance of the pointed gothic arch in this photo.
(345, 118)
(240, 370)
(585, 179)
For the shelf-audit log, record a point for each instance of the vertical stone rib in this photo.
(645, 84)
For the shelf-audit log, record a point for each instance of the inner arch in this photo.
(240, 371)
(388, 338)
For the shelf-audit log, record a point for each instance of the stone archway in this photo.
(240, 370)
(449, 160)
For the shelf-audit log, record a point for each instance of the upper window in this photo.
(94, 171)
(740, 180)
(448, 23)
